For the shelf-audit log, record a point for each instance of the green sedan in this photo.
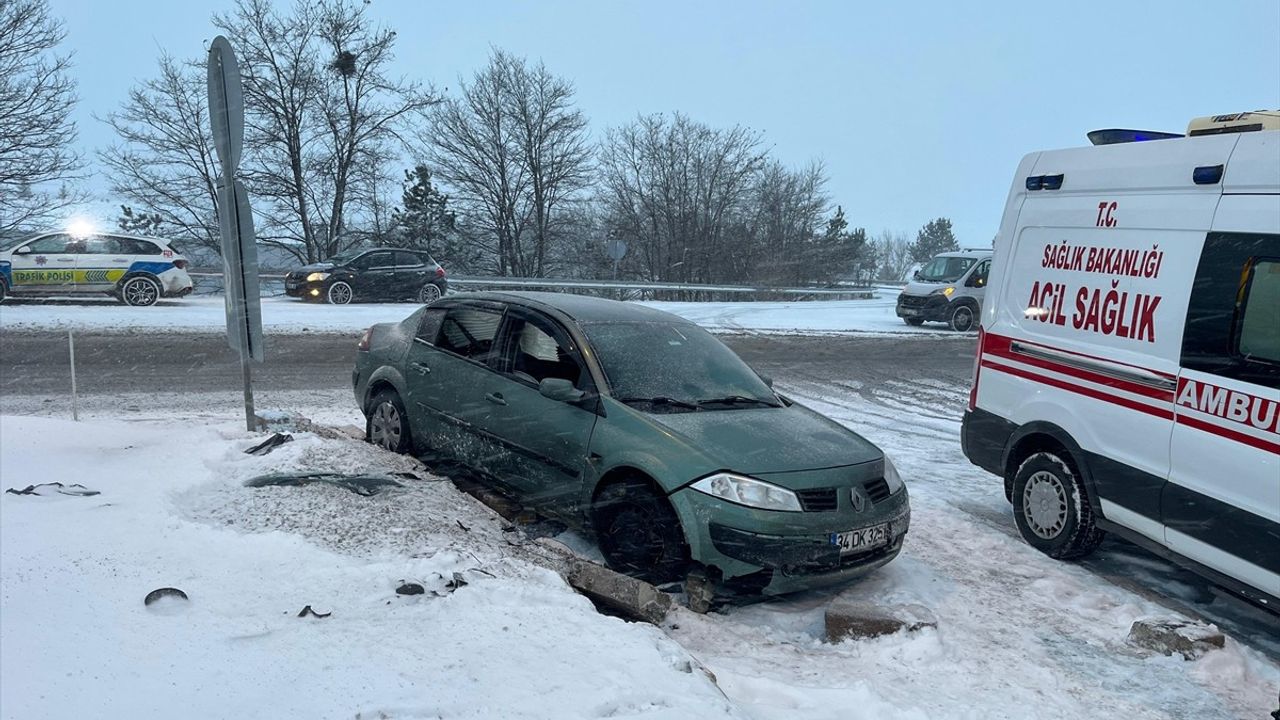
(640, 427)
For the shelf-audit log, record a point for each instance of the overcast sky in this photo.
(918, 109)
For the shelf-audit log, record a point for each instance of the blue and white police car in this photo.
(135, 270)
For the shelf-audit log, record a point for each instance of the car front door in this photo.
(46, 264)
(546, 441)
(451, 380)
(375, 275)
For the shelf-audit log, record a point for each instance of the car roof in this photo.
(104, 233)
(583, 309)
(965, 253)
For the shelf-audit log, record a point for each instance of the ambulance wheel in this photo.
(913, 322)
(1051, 507)
(962, 318)
(140, 291)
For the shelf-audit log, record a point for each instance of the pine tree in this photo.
(139, 223)
(424, 220)
(935, 237)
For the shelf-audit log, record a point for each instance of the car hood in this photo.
(770, 440)
(920, 287)
(315, 267)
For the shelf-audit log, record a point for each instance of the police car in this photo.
(1128, 370)
(136, 271)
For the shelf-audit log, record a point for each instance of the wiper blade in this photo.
(737, 400)
(660, 400)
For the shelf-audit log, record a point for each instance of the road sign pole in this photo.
(235, 217)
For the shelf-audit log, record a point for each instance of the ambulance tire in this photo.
(1051, 507)
(963, 317)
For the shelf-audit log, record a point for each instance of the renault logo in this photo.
(859, 502)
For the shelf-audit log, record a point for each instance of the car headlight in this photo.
(748, 491)
(318, 277)
(945, 292)
(891, 476)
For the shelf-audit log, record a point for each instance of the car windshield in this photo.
(946, 269)
(672, 366)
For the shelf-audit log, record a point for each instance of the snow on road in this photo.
(287, 315)
(77, 641)
(1019, 636)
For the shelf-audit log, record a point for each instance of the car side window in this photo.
(469, 332)
(1259, 335)
(102, 245)
(537, 350)
(408, 260)
(133, 246)
(979, 276)
(53, 245)
(1232, 317)
(429, 325)
(378, 261)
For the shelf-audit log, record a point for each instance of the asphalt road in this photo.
(38, 363)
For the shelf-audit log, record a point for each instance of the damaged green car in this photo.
(640, 427)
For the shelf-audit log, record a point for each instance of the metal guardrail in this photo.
(570, 284)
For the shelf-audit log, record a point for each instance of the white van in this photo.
(1127, 378)
(949, 288)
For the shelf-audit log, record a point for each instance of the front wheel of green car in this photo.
(639, 533)
(387, 425)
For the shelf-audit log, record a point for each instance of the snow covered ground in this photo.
(287, 315)
(1019, 635)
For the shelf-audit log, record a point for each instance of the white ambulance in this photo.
(1128, 370)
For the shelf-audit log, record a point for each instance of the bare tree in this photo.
(163, 162)
(36, 100)
(893, 249)
(322, 117)
(514, 150)
(676, 190)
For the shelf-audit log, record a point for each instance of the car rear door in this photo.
(545, 441)
(411, 273)
(102, 263)
(452, 379)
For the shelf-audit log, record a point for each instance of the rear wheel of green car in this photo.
(639, 533)
(387, 425)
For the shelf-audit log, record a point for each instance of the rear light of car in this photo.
(439, 271)
(364, 340)
(977, 369)
(180, 264)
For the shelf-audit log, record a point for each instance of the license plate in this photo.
(908, 311)
(859, 540)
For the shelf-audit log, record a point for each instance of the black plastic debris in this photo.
(304, 612)
(76, 490)
(457, 582)
(410, 589)
(365, 485)
(271, 443)
(162, 593)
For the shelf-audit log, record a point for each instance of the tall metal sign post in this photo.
(235, 219)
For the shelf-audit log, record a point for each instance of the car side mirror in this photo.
(767, 380)
(915, 275)
(24, 250)
(560, 390)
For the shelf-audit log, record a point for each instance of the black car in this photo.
(378, 274)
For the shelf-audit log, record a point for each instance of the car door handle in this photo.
(422, 369)
(119, 259)
(495, 398)
(66, 259)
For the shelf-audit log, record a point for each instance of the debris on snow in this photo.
(1189, 639)
(410, 589)
(365, 485)
(854, 619)
(304, 612)
(271, 443)
(161, 593)
(76, 490)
